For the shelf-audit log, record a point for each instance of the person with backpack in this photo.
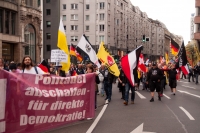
(28, 67)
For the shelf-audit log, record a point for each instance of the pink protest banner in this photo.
(35, 103)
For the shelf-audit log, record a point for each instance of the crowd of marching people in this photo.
(154, 79)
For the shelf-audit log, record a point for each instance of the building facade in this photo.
(192, 26)
(51, 19)
(20, 32)
(197, 23)
(118, 23)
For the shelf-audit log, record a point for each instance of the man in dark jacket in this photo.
(197, 72)
(153, 79)
(129, 87)
(108, 81)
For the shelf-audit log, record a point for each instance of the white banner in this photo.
(58, 56)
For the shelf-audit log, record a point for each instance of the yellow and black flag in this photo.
(105, 57)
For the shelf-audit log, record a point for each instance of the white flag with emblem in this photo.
(86, 47)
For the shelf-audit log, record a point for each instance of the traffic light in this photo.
(143, 38)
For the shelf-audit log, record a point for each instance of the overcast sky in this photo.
(175, 14)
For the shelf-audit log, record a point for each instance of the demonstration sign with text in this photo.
(34, 103)
(58, 56)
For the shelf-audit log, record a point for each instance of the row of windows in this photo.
(75, 27)
(75, 38)
(75, 6)
(87, 6)
(87, 17)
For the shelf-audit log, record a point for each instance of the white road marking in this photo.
(189, 93)
(183, 82)
(187, 113)
(139, 129)
(166, 96)
(98, 118)
(188, 87)
(140, 95)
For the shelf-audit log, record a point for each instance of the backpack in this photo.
(34, 68)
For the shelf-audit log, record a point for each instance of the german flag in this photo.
(174, 47)
(72, 50)
(78, 56)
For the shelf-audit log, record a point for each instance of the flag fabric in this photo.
(174, 47)
(141, 65)
(62, 44)
(85, 46)
(105, 57)
(162, 59)
(167, 57)
(78, 56)
(182, 59)
(129, 64)
(44, 66)
(147, 62)
(72, 50)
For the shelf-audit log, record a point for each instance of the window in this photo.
(101, 38)
(64, 18)
(39, 3)
(74, 27)
(87, 38)
(48, 23)
(47, 1)
(74, 38)
(101, 27)
(87, 28)
(87, 17)
(108, 6)
(101, 5)
(87, 7)
(13, 16)
(74, 6)
(64, 7)
(101, 16)
(48, 11)
(7, 21)
(48, 47)
(1, 21)
(48, 35)
(29, 2)
(74, 17)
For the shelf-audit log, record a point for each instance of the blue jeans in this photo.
(196, 77)
(127, 88)
(108, 90)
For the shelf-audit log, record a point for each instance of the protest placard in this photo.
(58, 55)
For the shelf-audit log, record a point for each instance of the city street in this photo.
(174, 114)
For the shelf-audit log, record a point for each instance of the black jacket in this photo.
(154, 74)
(172, 74)
(196, 69)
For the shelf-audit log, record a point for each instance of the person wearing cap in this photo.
(153, 79)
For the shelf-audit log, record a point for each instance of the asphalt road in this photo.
(173, 114)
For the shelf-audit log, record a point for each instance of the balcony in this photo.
(197, 36)
(197, 20)
(197, 3)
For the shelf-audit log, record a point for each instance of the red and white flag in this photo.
(129, 64)
(141, 65)
(182, 59)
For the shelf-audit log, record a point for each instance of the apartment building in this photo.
(20, 32)
(118, 23)
(197, 22)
